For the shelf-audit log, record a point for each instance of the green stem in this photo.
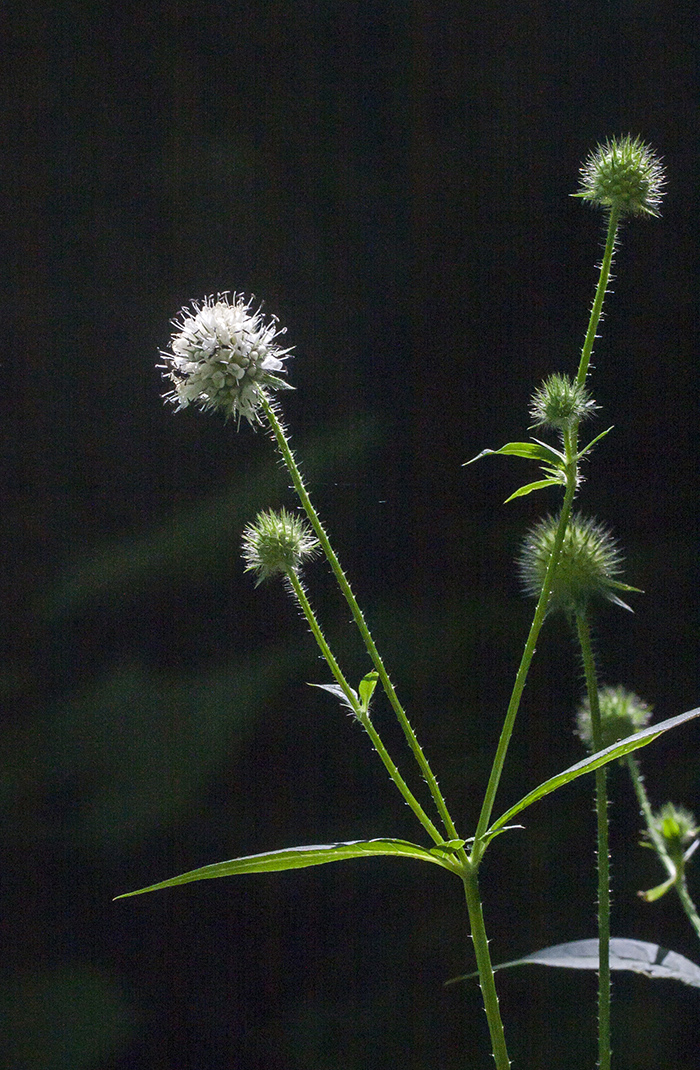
(361, 714)
(288, 458)
(485, 967)
(521, 677)
(599, 298)
(571, 447)
(601, 794)
(676, 876)
(645, 806)
(687, 903)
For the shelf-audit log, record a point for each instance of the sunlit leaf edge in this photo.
(639, 956)
(528, 488)
(533, 451)
(593, 762)
(301, 858)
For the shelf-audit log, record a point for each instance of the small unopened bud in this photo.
(588, 564)
(277, 544)
(560, 402)
(625, 174)
(622, 714)
(678, 828)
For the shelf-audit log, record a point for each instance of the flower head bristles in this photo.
(277, 543)
(589, 561)
(677, 828)
(222, 356)
(622, 714)
(560, 402)
(623, 174)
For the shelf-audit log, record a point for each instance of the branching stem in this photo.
(358, 617)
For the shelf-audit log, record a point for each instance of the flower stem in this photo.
(361, 714)
(599, 298)
(687, 903)
(675, 877)
(645, 806)
(521, 677)
(358, 617)
(601, 793)
(571, 447)
(486, 977)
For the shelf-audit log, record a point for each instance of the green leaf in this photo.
(528, 489)
(366, 688)
(594, 761)
(336, 689)
(635, 955)
(533, 451)
(301, 858)
(593, 441)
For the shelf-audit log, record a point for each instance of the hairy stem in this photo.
(601, 794)
(675, 877)
(485, 967)
(358, 617)
(362, 715)
(521, 677)
(601, 289)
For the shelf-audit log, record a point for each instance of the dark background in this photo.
(392, 178)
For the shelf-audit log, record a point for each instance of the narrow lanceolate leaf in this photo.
(595, 761)
(635, 955)
(593, 441)
(528, 489)
(533, 451)
(301, 857)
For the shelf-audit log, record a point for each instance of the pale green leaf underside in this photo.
(635, 955)
(300, 858)
(595, 761)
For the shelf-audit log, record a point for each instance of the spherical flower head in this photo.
(277, 543)
(624, 174)
(677, 827)
(560, 402)
(588, 564)
(222, 356)
(622, 714)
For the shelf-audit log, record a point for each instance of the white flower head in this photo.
(223, 355)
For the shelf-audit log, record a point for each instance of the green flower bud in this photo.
(622, 713)
(625, 174)
(277, 544)
(560, 402)
(678, 828)
(588, 564)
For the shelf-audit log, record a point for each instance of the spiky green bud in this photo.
(678, 828)
(277, 543)
(588, 564)
(625, 174)
(560, 402)
(622, 713)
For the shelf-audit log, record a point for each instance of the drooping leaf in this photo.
(301, 858)
(533, 451)
(337, 691)
(594, 761)
(528, 489)
(635, 955)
